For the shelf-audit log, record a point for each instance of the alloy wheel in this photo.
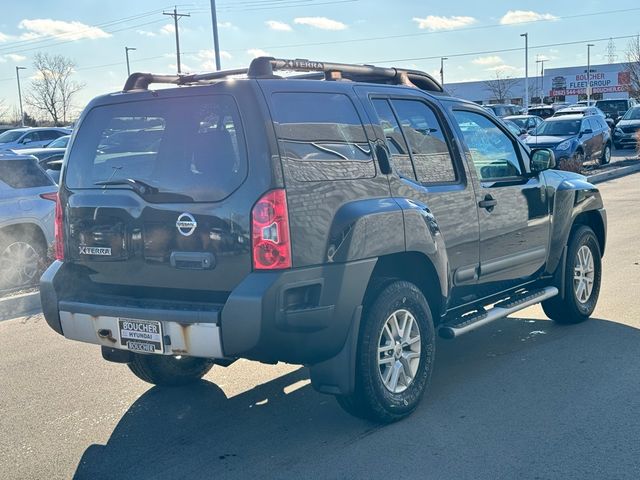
(399, 351)
(583, 274)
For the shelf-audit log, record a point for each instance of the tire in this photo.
(167, 370)
(571, 309)
(606, 155)
(21, 260)
(579, 156)
(406, 365)
(617, 146)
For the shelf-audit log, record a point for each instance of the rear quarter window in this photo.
(23, 173)
(321, 137)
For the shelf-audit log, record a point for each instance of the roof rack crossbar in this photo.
(141, 81)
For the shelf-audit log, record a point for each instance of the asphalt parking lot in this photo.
(520, 398)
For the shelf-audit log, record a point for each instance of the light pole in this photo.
(214, 21)
(540, 90)
(526, 70)
(126, 54)
(20, 94)
(442, 59)
(589, 45)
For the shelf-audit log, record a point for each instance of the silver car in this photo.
(27, 137)
(27, 213)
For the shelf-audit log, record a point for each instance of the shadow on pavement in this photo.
(515, 398)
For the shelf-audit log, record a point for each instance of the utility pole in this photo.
(589, 45)
(214, 22)
(126, 53)
(526, 70)
(20, 94)
(542, 74)
(442, 59)
(177, 16)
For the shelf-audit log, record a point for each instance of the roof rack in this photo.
(264, 67)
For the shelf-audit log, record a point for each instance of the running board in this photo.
(500, 310)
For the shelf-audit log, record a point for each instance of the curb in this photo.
(616, 173)
(19, 305)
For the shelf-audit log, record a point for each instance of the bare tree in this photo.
(52, 90)
(4, 110)
(500, 86)
(633, 66)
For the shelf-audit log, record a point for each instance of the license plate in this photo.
(144, 336)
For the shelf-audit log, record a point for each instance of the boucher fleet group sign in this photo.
(601, 82)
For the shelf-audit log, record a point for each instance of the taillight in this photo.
(270, 232)
(58, 227)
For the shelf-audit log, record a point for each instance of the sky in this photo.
(479, 38)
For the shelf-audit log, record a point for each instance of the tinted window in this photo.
(632, 114)
(492, 151)
(559, 127)
(321, 136)
(429, 150)
(10, 136)
(61, 142)
(49, 134)
(193, 147)
(23, 173)
(31, 137)
(395, 140)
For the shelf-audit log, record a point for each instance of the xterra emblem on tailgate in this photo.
(84, 250)
(186, 224)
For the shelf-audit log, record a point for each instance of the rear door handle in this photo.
(488, 203)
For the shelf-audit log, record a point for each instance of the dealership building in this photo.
(567, 84)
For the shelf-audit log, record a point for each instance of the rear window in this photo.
(193, 147)
(23, 173)
(321, 136)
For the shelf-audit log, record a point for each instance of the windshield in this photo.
(60, 142)
(562, 128)
(190, 146)
(10, 136)
(612, 106)
(632, 114)
(520, 122)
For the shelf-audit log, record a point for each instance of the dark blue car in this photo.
(574, 136)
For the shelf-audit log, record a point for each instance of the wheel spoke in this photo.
(396, 369)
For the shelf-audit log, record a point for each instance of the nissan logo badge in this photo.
(186, 224)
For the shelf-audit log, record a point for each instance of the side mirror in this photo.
(588, 131)
(383, 158)
(542, 159)
(25, 141)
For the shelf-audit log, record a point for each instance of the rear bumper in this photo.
(298, 316)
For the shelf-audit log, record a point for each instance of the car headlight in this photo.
(566, 145)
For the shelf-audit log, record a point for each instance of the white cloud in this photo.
(256, 52)
(41, 27)
(167, 29)
(490, 60)
(225, 25)
(145, 33)
(207, 58)
(183, 66)
(513, 17)
(435, 23)
(279, 26)
(3, 60)
(322, 23)
(4, 37)
(15, 57)
(503, 68)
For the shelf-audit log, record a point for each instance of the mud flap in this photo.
(336, 376)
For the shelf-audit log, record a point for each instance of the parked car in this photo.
(518, 131)
(526, 122)
(624, 135)
(586, 103)
(27, 206)
(21, 138)
(375, 213)
(503, 110)
(584, 110)
(615, 109)
(542, 111)
(574, 136)
(49, 157)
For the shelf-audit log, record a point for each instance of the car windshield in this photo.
(612, 106)
(632, 114)
(520, 122)
(10, 136)
(60, 142)
(560, 128)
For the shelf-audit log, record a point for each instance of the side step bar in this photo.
(500, 310)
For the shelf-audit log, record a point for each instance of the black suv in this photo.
(337, 217)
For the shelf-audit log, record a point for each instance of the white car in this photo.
(21, 138)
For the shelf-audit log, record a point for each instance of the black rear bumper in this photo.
(298, 316)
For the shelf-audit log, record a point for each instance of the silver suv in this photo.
(27, 210)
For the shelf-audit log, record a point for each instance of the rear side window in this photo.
(193, 147)
(395, 140)
(49, 134)
(23, 173)
(321, 136)
(431, 158)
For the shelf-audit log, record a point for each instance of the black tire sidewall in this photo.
(583, 236)
(397, 295)
(603, 159)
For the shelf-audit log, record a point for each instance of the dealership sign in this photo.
(600, 82)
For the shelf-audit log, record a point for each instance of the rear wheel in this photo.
(606, 155)
(395, 354)
(583, 273)
(21, 261)
(168, 370)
